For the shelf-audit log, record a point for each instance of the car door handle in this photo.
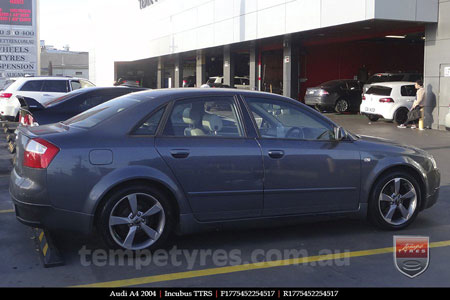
(277, 154)
(179, 153)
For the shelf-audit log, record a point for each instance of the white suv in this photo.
(42, 89)
(389, 100)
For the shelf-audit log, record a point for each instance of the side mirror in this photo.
(339, 134)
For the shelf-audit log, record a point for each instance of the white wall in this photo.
(123, 32)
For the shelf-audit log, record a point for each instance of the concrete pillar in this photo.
(201, 68)
(228, 66)
(290, 68)
(437, 67)
(159, 73)
(254, 67)
(178, 72)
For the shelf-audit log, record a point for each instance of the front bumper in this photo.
(432, 195)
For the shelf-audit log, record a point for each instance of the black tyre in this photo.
(319, 108)
(342, 106)
(395, 201)
(135, 218)
(373, 118)
(401, 115)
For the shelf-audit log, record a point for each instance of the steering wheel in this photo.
(289, 133)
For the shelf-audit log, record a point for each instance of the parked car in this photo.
(447, 120)
(339, 95)
(33, 113)
(242, 83)
(391, 77)
(148, 164)
(215, 81)
(128, 82)
(391, 101)
(189, 81)
(42, 89)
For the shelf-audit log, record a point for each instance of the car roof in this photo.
(394, 83)
(193, 92)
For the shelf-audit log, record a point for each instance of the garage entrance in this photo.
(359, 51)
(143, 72)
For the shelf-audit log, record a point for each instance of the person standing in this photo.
(414, 113)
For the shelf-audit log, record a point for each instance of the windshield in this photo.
(102, 112)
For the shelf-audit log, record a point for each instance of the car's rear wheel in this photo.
(401, 115)
(342, 106)
(395, 201)
(373, 118)
(136, 218)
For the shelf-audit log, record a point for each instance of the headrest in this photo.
(191, 116)
(212, 123)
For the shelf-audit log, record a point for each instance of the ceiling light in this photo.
(396, 36)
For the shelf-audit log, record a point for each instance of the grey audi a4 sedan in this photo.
(143, 166)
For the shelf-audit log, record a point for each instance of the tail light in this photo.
(323, 92)
(27, 120)
(363, 98)
(39, 154)
(5, 95)
(387, 100)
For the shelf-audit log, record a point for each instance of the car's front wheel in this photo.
(136, 218)
(395, 201)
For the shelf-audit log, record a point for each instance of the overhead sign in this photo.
(18, 38)
(146, 3)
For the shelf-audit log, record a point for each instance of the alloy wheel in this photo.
(342, 106)
(398, 201)
(137, 221)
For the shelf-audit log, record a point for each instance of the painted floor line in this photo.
(6, 211)
(246, 267)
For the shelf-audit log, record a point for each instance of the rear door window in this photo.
(55, 86)
(379, 91)
(32, 86)
(354, 85)
(409, 91)
(150, 125)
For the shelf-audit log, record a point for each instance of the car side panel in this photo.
(134, 158)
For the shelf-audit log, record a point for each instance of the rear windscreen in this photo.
(102, 112)
(63, 98)
(380, 91)
(7, 84)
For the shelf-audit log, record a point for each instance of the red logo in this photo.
(411, 255)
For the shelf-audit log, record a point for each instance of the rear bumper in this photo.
(48, 217)
(34, 209)
(322, 101)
